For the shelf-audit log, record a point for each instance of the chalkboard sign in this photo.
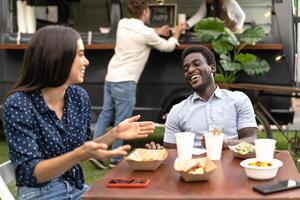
(163, 15)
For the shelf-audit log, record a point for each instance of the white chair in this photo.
(7, 175)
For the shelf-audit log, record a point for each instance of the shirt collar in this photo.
(217, 93)
(40, 102)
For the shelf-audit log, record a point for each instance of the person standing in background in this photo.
(228, 11)
(134, 41)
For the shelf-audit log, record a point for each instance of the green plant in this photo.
(228, 46)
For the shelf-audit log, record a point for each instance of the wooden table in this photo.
(228, 182)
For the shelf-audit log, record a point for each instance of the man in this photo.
(209, 107)
(133, 45)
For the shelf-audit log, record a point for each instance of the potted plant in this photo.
(228, 47)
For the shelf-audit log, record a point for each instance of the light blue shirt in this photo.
(228, 110)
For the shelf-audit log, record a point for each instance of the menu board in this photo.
(163, 15)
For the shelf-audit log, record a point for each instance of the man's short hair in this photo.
(208, 54)
(136, 7)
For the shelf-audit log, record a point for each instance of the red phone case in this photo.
(128, 182)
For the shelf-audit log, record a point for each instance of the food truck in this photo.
(162, 83)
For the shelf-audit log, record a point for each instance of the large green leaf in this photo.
(252, 35)
(222, 46)
(210, 23)
(258, 67)
(230, 37)
(209, 29)
(225, 57)
(230, 66)
(207, 35)
(245, 58)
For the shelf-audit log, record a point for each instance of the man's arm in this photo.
(247, 134)
(169, 145)
(246, 122)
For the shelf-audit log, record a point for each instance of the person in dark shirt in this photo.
(47, 119)
(228, 11)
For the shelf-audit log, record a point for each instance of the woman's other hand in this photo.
(132, 129)
(98, 151)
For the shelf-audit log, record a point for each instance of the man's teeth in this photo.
(83, 71)
(194, 77)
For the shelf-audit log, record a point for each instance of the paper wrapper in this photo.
(181, 166)
(239, 155)
(146, 159)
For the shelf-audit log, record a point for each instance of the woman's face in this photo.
(79, 65)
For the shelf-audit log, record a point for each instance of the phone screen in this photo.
(277, 187)
(128, 181)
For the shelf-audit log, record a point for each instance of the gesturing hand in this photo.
(99, 151)
(163, 31)
(131, 129)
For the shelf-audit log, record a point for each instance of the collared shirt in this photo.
(133, 45)
(34, 133)
(230, 111)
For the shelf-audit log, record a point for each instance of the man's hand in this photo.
(131, 129)
(163, 31)
(152, 145)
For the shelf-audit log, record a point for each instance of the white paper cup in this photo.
(214, 145)
(264, 149)
(181, 18)
(185, 144)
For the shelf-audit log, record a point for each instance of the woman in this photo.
(47, 119)
(227, 10)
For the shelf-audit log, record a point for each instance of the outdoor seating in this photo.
(7, 176)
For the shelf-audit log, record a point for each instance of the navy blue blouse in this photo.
(34, 133)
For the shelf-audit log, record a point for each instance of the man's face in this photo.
(197, 72)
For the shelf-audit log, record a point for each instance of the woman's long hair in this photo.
(48, 59)
(217, 8)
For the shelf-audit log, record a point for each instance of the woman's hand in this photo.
(98, 151)
(131, 129)
(163, 31)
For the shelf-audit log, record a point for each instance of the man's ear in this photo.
(213, 69)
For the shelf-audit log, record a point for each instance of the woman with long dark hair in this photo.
(47, 119)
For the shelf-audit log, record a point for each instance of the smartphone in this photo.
(129, 182)
(277, 187)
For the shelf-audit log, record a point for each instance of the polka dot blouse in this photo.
(34, 133)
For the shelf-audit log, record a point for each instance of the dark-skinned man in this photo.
(209, 106)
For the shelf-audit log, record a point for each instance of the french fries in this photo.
(216, 131)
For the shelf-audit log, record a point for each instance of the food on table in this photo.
(196, 169)
(216, 131)
(244, 148)
(260, 164)
(148, 159)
